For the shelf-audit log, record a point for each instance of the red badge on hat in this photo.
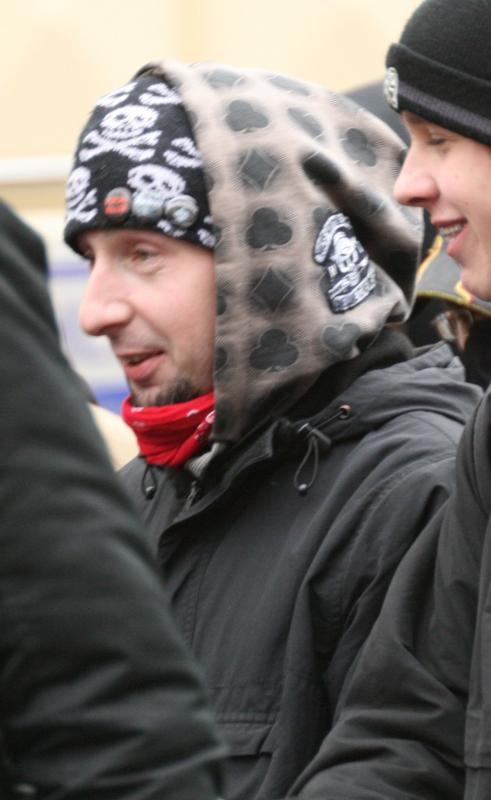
(117, 204)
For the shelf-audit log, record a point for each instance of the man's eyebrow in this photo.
(414, 119)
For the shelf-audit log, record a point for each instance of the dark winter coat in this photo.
(276, 590)
(416, 724)
(98, 695)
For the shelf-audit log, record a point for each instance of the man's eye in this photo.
(143, 254)
(436, 140)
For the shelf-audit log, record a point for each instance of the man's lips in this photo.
(138, 367)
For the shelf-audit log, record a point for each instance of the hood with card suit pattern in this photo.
(291, 185)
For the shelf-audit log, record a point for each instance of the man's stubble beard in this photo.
(180, 392)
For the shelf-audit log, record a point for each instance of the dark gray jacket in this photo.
(415, 723)
(276, 589)
(99, 698)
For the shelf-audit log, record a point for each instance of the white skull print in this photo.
(80, 199)
(206, 237)
(128, 121)
(125, 131)
(160, 181)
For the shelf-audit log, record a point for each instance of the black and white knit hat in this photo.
(136, 165)
(441, 67)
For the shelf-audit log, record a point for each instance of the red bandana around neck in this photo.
(169, 435)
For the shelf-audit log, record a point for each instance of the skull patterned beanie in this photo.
(441, 70)
(136, 165)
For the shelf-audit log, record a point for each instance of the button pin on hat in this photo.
(117, 204)
(148, 206)
(182, 211)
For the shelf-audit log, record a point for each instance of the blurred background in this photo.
(58, 56)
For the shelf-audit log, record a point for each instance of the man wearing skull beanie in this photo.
(246, 259)
(415, 722)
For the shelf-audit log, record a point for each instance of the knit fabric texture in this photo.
(137, 166)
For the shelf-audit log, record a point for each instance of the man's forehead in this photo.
(414, 121)
(128, 237)
(410, 118)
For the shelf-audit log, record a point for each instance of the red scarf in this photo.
(171, 434)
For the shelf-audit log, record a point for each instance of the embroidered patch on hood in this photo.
(349, 273)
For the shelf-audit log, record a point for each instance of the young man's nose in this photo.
(415, 186)
(103, 307)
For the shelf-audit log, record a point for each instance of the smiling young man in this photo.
(245, 256)
(449, 175)
(415, 722)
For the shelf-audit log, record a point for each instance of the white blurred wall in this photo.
(58, 56)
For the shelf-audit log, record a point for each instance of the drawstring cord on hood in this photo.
(148, 482)
(313, 437)
(316, 441)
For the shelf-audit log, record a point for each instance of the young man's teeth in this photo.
(451, 230)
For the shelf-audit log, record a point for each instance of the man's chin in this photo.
(180, 392)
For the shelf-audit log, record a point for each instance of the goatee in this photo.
(181, 392)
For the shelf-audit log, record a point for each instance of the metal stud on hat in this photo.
(182, 211)
(391, 88)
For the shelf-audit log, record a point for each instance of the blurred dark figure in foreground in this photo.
(98, 696)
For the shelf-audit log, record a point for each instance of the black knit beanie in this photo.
(136, 165)
(441, 67)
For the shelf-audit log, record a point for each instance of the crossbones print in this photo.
(183, 153)
(125, 131)
(159, 94)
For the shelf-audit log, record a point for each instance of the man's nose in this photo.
(104, 306)
(415, 186)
